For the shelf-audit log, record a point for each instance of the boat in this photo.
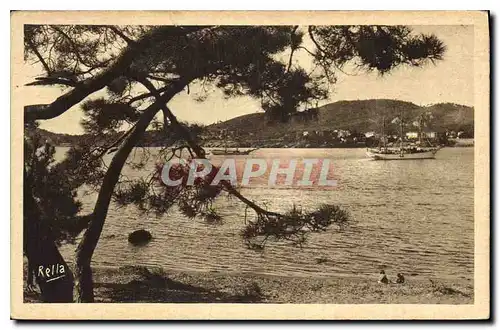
(405, 150)
(231, 152)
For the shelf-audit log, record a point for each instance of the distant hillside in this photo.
(150, 138)
(59, 138)
(360, 116)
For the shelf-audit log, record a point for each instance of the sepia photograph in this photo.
(250, 159)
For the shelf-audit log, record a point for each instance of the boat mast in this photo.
(401, 128)
(420, 122)
(225, 140)
(383, 134)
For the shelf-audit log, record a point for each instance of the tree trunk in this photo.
(45, 262)
(84, 286)
(54, 289)
(86, 248)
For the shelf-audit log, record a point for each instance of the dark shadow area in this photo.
(150, 287)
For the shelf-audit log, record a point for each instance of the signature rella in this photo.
(304, 172)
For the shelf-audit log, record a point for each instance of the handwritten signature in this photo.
(51, 272)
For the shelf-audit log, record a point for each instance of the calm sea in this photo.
(412, 216)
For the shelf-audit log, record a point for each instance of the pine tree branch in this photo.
(292, 48)
(39, 56)
(91, 85)
(73, 45)
(198, 150)
(146, 95)
(122, 35)
(44, 81)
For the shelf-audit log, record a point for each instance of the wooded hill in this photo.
(356, 116)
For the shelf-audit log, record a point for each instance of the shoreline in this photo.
(298, 146)
(156, 285)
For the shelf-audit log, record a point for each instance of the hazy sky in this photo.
(450, 80)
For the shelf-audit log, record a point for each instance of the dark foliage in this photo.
(373, 47)
(293, 225)
(53, 191)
